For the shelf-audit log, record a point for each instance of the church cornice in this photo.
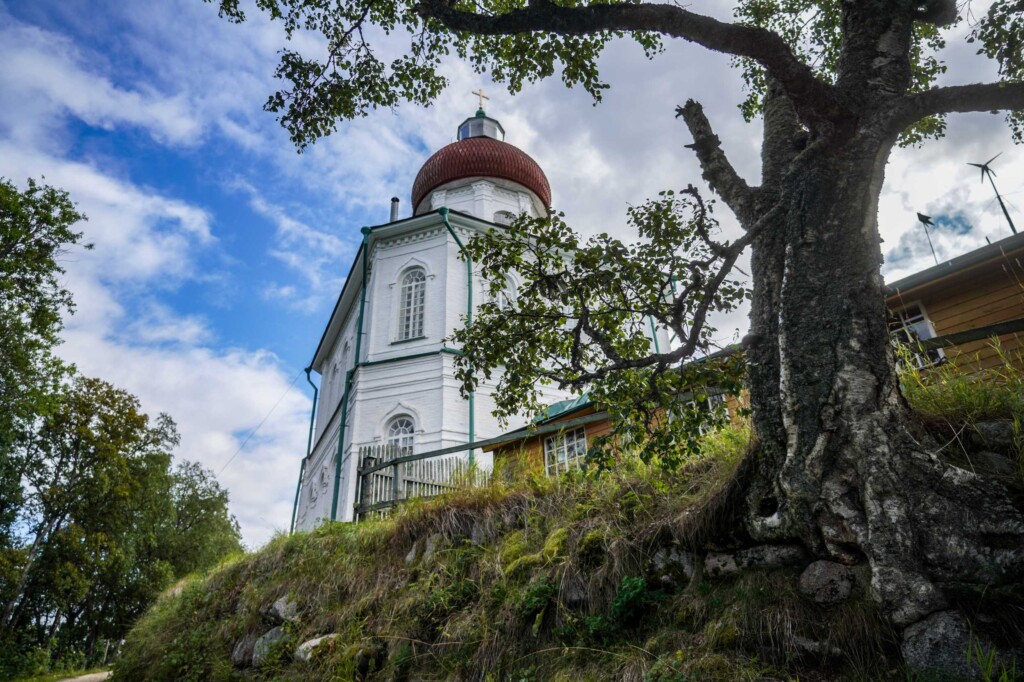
(409, 238)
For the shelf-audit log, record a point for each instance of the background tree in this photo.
(106, 524)
(94, 524)
(839, 466)
(35, 230)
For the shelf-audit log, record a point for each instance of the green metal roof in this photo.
(563, 407)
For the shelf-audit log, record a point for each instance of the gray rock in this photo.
(994, 464)
(414, 552)
(431, 545)
(308, 648)
(265, 643)
(940, 644)
(573, 593)
(283, 610)
(669, 563)
(719, 564)
(815, 648)
(995, 434)
(479, 534)
(826, 582)
(241, 654)
(761, 556)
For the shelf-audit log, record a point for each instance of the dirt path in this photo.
(91, 677)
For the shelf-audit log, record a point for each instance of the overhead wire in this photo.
(262, 422)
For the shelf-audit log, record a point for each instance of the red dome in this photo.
(480, 157)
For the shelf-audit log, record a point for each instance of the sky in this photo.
(219, 250)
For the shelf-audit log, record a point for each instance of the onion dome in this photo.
(480, 152)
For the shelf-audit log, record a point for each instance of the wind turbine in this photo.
(986, 170)
(926, 220)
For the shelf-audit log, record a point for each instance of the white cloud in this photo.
(137, 233)
(217, 398)
(44, 77)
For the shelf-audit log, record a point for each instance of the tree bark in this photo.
(840, 464)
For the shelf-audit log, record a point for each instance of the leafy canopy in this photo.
(104, 524)
(585, 313)
(360, 64)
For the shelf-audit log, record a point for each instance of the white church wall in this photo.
(426, 250)
(392, 383)
(332, 381)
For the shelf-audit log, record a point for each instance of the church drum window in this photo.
(412, 304)
(401, 433)
(563, 451)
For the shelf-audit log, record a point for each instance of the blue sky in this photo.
(220, 250)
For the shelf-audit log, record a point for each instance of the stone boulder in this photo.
(308, 648)
(241, 653)
(281, 611)
(994, 464)
(430, 546)
(826, 582)
(939, 644)
(265, 644)
(717, 564)
(994, 434)
(669, 564)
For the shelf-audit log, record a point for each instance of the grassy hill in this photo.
(570, 578)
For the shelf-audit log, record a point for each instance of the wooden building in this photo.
(971, 291)
(558, 440)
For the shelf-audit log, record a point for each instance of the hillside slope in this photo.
(636, 574)
(570, 578)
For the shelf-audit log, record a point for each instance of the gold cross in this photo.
(480, 93)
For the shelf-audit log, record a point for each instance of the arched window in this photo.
(400, 433)
(504, 298)
(411, 304)
(504, 217)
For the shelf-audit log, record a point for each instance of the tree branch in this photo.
(715, 166)
(814, 99)
(960, 99)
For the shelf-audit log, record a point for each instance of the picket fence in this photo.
(390, 474)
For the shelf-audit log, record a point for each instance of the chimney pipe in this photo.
(394, 209)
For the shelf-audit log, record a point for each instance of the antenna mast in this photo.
(925, 222)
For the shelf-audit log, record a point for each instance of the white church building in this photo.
(386, 370)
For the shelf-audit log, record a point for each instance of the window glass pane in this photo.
(400, 433)
(564, 450)
(412, 303)
(909, 327)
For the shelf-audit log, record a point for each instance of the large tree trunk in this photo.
(841, 466)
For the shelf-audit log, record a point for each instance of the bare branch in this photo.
(960, 99)
(715, 166)
(814, 99)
